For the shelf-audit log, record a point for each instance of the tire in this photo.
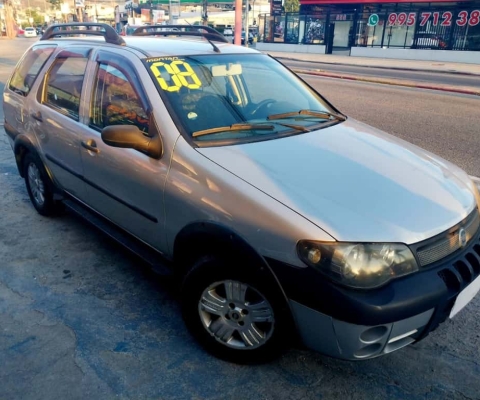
(234, 314)
(39, 186)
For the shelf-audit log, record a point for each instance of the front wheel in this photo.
(235, 316)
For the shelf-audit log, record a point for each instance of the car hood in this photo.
(355, 182)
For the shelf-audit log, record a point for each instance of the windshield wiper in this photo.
(234, 128)
(293, 126)
(308, 113)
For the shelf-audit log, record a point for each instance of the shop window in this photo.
(314, 30)
(292, 28)
(269, 28)
(279, 29)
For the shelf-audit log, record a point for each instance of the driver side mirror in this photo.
(130, 137)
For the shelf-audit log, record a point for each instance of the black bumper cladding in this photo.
(435, 286)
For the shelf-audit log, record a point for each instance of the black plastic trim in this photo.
(106, 192)
(431, 288)
(126, 67)
(154, 258)
(207, 237)
(111, 36)
(441, 236)
(187, 30)
(10, 131)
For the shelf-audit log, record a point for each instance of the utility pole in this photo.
(204, 12)
(238, 22)
(246, 23)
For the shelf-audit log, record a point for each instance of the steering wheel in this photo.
(262, 104)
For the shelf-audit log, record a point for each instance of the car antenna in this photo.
(215, 48)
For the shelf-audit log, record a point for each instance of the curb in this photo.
(451, 89)
(383, 67)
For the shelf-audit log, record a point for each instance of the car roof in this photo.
(176, 46)
(166, 46)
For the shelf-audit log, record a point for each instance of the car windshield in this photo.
(237, 98)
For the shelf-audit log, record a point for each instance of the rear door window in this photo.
(24, 76)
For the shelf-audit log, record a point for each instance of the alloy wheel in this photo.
(36, 184)
(236, 314)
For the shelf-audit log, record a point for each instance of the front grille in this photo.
(464, 271)
(448, 242)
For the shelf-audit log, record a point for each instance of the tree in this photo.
(9, 20)
(56, 4)
(37, 18)
(291, 5)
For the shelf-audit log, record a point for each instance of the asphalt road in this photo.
(417, 76)
(446, 124)
(81, 318)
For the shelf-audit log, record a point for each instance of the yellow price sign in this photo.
(181, 74)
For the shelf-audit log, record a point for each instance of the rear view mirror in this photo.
(227, 70)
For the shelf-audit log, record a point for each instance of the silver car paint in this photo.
(355, 182)
(200, 190)
(133, 177)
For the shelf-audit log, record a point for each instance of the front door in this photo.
(123, 185)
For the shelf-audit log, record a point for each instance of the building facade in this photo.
(361, 26)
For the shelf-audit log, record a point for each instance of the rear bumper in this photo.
(353, 324)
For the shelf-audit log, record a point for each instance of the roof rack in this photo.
(84, 28)
(180, 30)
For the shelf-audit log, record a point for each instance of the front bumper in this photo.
(353, 324)
(347, 341)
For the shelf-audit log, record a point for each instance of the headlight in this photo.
(359, 265)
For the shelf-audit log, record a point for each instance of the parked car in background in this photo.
(30, 32)
(228, 33)
(428, 41)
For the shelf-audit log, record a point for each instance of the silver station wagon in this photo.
(285, 221)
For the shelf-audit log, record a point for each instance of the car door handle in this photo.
(37, 116)
(90, 145)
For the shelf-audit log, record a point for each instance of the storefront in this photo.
(362, 27)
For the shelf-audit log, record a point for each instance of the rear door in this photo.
(56, 118)
(123, 185)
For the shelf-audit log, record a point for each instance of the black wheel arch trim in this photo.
(10, 131)
(22, 146)
(217, 234)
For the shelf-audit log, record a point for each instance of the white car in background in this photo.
(30, 32)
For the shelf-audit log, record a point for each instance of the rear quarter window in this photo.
(24, 76)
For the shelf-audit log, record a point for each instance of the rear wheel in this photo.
(39, 186)
(235, 315)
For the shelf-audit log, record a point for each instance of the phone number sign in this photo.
(463, 18)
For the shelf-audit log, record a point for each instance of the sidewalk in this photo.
(408, 65)
(379, 63)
